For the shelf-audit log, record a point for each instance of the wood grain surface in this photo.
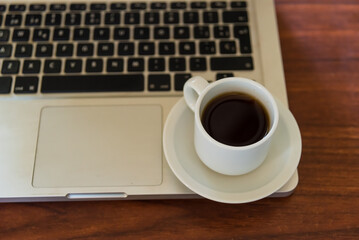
(320, 47)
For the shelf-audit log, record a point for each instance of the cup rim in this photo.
(257, 85)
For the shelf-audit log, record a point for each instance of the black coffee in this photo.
(235, 119)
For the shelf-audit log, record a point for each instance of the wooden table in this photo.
(320, 45)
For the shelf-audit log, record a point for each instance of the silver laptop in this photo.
(86, 87)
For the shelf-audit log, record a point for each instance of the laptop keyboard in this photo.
(120, 47)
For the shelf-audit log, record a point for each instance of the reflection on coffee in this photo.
(235, 119)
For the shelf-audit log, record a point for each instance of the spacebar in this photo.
(92, 83)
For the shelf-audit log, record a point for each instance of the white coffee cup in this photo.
(220, 157)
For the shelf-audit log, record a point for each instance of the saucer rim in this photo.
(229, 197)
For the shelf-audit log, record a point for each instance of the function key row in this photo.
(114, 18)
(122, 6)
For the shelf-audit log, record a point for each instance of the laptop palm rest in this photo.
(94, 146)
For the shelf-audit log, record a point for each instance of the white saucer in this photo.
(275, 171)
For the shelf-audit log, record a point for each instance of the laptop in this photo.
(86, 88)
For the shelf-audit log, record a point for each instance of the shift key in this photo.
(231, 63)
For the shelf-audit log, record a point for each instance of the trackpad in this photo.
(94, 146)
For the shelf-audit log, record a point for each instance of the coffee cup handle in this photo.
(192, 89)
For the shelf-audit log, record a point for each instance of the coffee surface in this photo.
(235, 119)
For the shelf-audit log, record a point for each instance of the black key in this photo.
(17, 8)
(33, 19)
(73, 66)
(223, 75)
(126, 49)
(159, 82)
(105, 49)
(57, 7)
(44, 50)
(81, 34)
(161, 33)
(166, 48)
(26, 84)
(121, 33)
(64, 50)
(41, 34)
(190, 17)
(4, 35)
(221, 32)
(93, 83)
(20, 35)
(112, 18)
(156, 64)
(235, 16)
(1, 18)
(138, 6)
(146, 48)
(132, 18)
(98, 6)
(5, 84)
(198, 5)
(101, 34)
(201, 32)
(219, 4)
(114, 65)
(2, 8)
(179, 5)
(61, 34)
(73, 19)
(13, 20)
(231, 63)
(53, 19)
(85, 49)
(37, 7)
(141, 33)
(152, 18)
(208, 47)
(198, 64)
(94, 65)
(93, 18)
(52, 66)
(180, 80)
(177, 64)
(5, 50)
(118, 6)
(181, 32)
(31, 66)
(186, 48)
(135, 65)
(228, 47)
(158, 5)
(171, 17)
(77, 7)
(23, 50)
(210, 17)
(238, 4)
(10, 67)
(242, 33)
